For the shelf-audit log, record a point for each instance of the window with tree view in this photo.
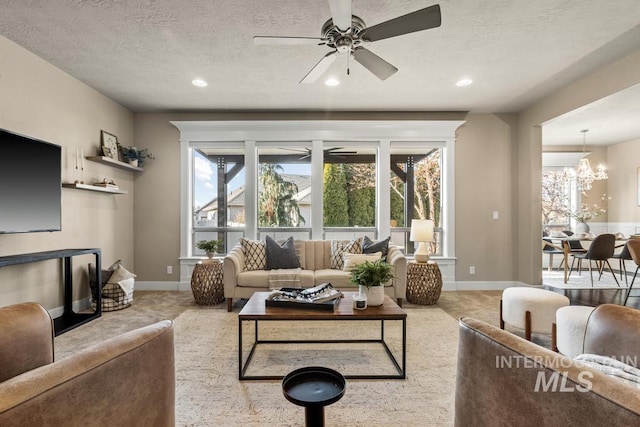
(349, 187)
(416, 185)
(218, 196)
(284, 188)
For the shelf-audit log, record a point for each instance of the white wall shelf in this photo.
(115, 163)
(93, 188)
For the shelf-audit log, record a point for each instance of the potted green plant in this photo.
(209, 246)
(134, 156)
(371, 277)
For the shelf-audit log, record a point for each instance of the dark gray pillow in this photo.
(370, 247)
(281, 256)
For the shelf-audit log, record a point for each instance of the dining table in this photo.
(566, 248)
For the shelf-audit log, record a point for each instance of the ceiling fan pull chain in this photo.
(348, 58)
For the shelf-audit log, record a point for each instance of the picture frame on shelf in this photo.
(109, 144)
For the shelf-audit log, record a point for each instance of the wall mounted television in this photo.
(30, 184)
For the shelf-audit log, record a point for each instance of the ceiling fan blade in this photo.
(419, 20)
(319, 69)
(341, 13)
(270, 40)
(372, 62)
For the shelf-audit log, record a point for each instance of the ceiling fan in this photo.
(346, 33)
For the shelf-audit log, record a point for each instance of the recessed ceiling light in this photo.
(464, 82)
(332, 81)
(199, 83)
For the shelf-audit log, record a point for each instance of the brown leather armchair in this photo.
(503, 380)
(128, 380)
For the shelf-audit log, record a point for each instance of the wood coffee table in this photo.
(255, 310)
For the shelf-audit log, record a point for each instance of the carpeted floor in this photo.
(208, 392)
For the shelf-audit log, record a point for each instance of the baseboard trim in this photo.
(79, 305)
(482, 286)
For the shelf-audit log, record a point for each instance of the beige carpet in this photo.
(208, 392)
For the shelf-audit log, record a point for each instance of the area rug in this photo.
(555, 279)
(208, 392)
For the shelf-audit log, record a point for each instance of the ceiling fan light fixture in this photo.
(332, 81)
(464, 82)
(199, 82)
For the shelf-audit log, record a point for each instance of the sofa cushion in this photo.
(338, 278)
(612, 367)
(255, 254)
(281, 255)
(370, 247)
(260, 279)
(340, 247)
(351, 260)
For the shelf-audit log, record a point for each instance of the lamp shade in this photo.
(421, 230)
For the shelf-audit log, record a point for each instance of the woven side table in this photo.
(424, 283)
(207, 284)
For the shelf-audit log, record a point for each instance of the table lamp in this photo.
(421, 232)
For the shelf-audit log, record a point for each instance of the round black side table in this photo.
(314, 388)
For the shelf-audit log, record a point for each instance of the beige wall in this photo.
(39, 100)
(484, 185)
(623, 162)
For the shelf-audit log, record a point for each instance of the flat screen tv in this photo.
(30, 184)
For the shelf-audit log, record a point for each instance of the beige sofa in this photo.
(125, 381)
(503, 380)
(314, 260)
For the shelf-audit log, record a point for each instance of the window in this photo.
(558, 198)
(349, 190)
(416, 192)
(315, 180)
(218, 196)
(284, 191)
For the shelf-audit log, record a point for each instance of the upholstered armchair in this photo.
(128, 380)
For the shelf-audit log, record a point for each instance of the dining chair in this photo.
(600, 251)
(549, 248)
(623, 256)
(634, 251)
(575, 247)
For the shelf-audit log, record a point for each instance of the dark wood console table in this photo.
(69, 319)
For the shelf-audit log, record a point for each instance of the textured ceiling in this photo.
(144, 53)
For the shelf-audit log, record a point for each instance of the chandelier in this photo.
(584, 174)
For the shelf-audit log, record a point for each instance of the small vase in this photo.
(375, 295)
(133, 162)
(210, 255)
(582, 228)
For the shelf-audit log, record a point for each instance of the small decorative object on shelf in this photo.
(79, 166)
(134, 156)
(207, 283)
(109, 145)
(107, 183)
(209, 246)
(424, 283)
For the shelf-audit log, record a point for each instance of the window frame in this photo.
(248, 134)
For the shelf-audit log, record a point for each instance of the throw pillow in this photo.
(119, 274)
(255, 254)
(370, 247)
(611, 367)
(351, 260)
(281, 256)
(339, 248)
